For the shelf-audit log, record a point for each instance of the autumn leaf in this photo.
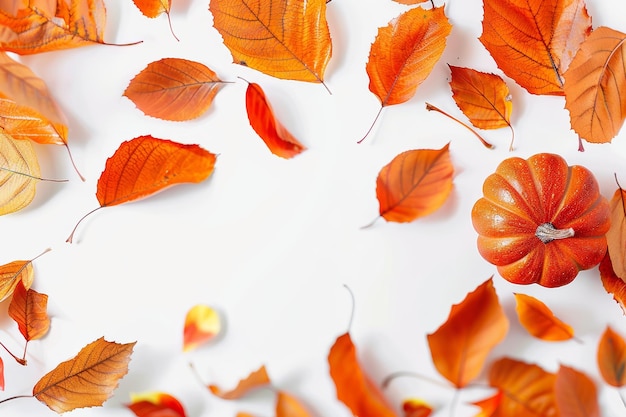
(353, 385)
(155, 8)
(174, 89)
(289, 406)
(612, 358)
(540, 321)
(144, 165)
(202, 324)
(12, 273)
(155, 404)
(261, 116)
(534, 42)
(414, 184)
(527, 390)
(416, 408)
(459, 347)
(489, 405)
(257, 379)
(404, 54)
(29, 309)
(575, 394)
(595, 85)
(484, 98)
(616, 236)
(22, 122)
(287, 39)
(612, 283)
(88, 379)
(19, 174)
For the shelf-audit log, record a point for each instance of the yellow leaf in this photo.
(19, 173)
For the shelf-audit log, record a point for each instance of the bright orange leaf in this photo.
(595, 86)
(282, 38)
(612, 283)
(616, 236)
(353, 385)
(156, 404)
(145, 165)
(612, 358)
(416, 408)
(414, 184)
(174, 89)
(489, 405)
(22, 122)
(540, 321)
(289, 406)
(261, 116)
(459, 347)
(533, 42)
(484, 98)
(155, 8)
(14, 272)
(29, 309)
(202, 324)
(257, 379)
(575, 394)
(527, 390)
(88, 379)
(404, 54)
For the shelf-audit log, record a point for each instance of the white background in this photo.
(271, 242)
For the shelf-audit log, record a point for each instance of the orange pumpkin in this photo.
(541, 221)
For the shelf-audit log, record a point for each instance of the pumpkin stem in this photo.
(546, 232)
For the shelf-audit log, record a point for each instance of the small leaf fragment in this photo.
(257, 379)
(155, 404)
(612, 358)
(540, 321)
(416, 408)
(202, 324)
(289, 406)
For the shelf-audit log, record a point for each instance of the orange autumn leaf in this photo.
(202, 324)
(404, 54)
(14, 272)
(459, 347)
(145, 165)
(534, 42)
(489, 405)
(575, 393)
(616, 236)
(527, 390)
(257, 379)
(88, 379)
(611, 358)
(289, 406)
(612, 283)
(287, 39)
(174, 89)
(155, 404)
(261, 116)
(22, 122)
(414, 184)
(29, 309)
(353, 385)
(595, 86)
(540, 321)
(155, 8)
(416, 408)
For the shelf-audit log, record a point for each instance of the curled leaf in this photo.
(612, 358)
(575, 393)
(539, 320)
(202, 324)
(29, 309)
(612, 283)
(88, 379)
(156, 404)
(257, 379)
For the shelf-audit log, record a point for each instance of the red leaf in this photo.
(156, 404)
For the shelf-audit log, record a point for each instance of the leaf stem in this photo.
(372, 126)
(18, 360)
(69, 153)
(399, 374)
(169, 20)
(15, 398)
(353, 306)
(487, 145)
(31, 176)
(71, 236)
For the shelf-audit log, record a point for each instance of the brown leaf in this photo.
(261, 116)
(174, 89)
(534, 42)
(88, 379)
(539, 320)
(29, 309)
(612, 358)
(262, 34)
(353, 385)
(289, 406)
(459, 347)
(256, 379)
(414, 184)
(595, 87)
(612, 283)
(575, 394)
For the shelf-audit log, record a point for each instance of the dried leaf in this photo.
(612, 358)
(257, 379)
(29, 309)
(156, 404)
(202, 324)
(144, 165)
(88, 379)
(539, 320)
(354, 387)
(289, 406)
(12, 273)
(616, 236)
(459, 347)
(414, 184)
(527, 390)
(22, 122)
(576, 394)
(534, 42)
(153, 8)
(595, 85)
(261, 116)
(286, 39)
(416, 408)
(174, 89)
(19, 174)
(612, 283)
(489, 405)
